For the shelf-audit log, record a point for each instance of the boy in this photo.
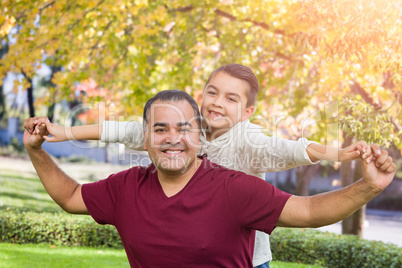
(227, 137)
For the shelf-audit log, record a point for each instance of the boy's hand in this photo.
(58, 133)
(352, 152)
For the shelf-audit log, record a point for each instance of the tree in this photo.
(306, 54)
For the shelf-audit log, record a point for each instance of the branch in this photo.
(25, 75)
(358, 89)
(256, 23)
(46, 6)
(99, 39)
(86, 12)
(228, 16)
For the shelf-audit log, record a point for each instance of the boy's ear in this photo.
(247, 113)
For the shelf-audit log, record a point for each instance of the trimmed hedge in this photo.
(288, 245)
(58, 228)
(332, 250)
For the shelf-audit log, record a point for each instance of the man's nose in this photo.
(173, 137)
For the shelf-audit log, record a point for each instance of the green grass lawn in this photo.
(24, 190)
(43, 256)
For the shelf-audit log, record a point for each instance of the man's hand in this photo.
(380, 171)
(35, 139)
(58, 133)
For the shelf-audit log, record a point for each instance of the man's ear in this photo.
(145, 140)
(247, 113)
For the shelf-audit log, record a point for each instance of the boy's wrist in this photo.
(69, 133)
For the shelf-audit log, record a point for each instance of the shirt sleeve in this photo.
(256, 203)
(102, 196)
(129, 133)
(271, 154)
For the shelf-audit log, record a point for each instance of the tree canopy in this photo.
(306, 54)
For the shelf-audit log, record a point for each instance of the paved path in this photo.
(79, 171)
(385, 226)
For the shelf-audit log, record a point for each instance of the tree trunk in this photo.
(304, 176)
(351, 172)
(50, 112)
(2, 103)
(31, 102)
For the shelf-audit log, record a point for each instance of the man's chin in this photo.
(177, 164)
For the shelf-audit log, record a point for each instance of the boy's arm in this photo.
(331, 207)
(60, 133)
(318, 152)
(127, 133)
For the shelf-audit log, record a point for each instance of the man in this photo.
(184, 211)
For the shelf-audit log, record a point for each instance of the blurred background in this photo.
(330, 71)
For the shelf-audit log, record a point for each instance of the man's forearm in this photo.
(58, 185)
(326, 208)
(331, 207)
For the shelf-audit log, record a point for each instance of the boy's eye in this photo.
(211, 93)
(232, 99)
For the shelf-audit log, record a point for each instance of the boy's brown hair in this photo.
(243, 73)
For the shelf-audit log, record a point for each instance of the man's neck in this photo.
(173, 183)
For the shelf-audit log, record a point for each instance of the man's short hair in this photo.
(171, 96)
(243, 73)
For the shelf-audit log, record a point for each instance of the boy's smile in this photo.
(224, 103)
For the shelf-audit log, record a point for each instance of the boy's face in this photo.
(224, 103)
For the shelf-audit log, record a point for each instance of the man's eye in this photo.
(160, 130)
(184, 129)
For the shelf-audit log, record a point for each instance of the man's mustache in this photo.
(173, 147)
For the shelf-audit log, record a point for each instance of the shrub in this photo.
(332, 250)
(288, 245)
(58, 228)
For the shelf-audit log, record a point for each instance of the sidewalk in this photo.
(385, 226)
(81, 172)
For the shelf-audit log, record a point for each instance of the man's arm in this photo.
(327, 208)
(65, 191)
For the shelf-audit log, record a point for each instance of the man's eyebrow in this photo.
(181, 124)
(160, 125)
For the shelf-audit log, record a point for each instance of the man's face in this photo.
(224, 103)
(172, 136)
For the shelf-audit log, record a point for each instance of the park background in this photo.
(329, 71)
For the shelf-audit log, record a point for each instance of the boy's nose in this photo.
(217, 102)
